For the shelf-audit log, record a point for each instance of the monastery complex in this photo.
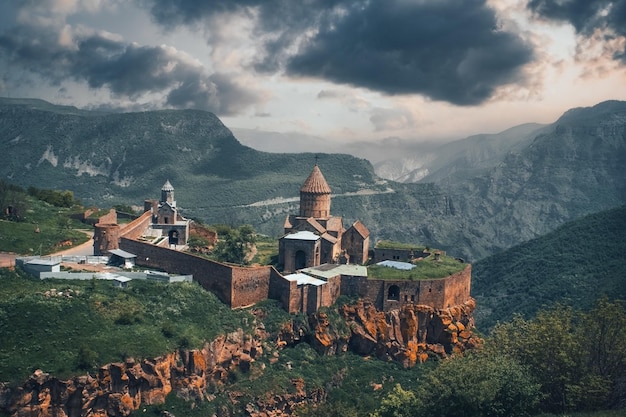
(319, 259)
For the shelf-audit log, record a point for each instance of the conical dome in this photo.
(167, 186)
(315, 183)
(315, 196)
(167, 194)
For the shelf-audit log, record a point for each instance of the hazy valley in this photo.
(474, 197)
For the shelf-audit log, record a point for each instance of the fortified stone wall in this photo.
(439, 293)
(354, 286)
(457, 287)
(330, 292)
(284, 291)
(212, 276)
(136, 228)
(106, 236)
(250, 285)
(110, 217)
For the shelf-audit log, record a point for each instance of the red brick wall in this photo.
(110, 217)
(250, 285)
(212, 276)
(458, 286)
(105, 238)
(135, 229)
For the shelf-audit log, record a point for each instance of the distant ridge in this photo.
(575, 265)
(487, 193)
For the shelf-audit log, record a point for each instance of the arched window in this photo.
(173, 237)
(393, 293)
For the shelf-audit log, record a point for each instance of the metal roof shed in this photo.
(123, 258)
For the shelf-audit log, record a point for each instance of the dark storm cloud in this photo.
(449, 50)
(446, 49)
(127, 70)
(586, 16)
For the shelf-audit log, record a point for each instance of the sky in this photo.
(342, 70)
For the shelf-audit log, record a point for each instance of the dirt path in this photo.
(7, 260)
(84, 249)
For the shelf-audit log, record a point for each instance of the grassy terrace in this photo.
(428, 268)
(388, 244)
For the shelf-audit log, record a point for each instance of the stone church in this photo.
(314, 236)
(166, 219)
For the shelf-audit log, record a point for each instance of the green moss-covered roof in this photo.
(388, 244)
(427, 268)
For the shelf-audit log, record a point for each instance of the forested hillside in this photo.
(574, 265)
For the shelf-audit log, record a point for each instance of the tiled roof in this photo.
(288, 222)
(316, 225)
(332, 239)
(334, 224)
(315, 183)
(361, 229)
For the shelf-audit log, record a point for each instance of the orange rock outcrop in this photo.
(120, 388)
(412, 334)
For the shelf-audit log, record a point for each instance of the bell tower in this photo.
(167, 194)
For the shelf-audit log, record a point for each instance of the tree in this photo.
(602, 333)
(86, 358)
(235, 245)
(478, 384)
(13, 202)
(579, 358)
(398, 403)
(549, 347)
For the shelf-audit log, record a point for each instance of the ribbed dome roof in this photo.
(315, 183)
(167, 186)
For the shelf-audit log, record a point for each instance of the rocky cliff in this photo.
(120, 388)
(408, 336)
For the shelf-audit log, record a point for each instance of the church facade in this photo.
(314, 236)
(166, 220)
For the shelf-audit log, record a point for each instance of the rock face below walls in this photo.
(407, 336)
(120, 388)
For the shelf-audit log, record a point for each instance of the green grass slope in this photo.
(68, 327)
(574, 265)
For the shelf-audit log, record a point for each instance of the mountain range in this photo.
(473, 197)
